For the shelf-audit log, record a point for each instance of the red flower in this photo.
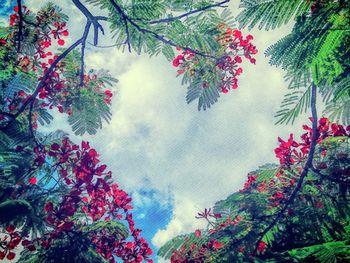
(11, 255)
(33, 180)
(278, 195)
(197, 233)
(239, 71)
(48, 207)
(21, 93)
(65, 33)
(60, 42)
(178, 60)
(217, 245)
(108, 93)
(261, 246)
(237, 34)
(10, 228)
(249, 37)
(238, 59)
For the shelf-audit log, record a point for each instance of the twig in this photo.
(30, 119)
(308, 165)
(127, 34)
(171, 19)
(20, 26)
(108, 46)
(93, 19)
(82, 61)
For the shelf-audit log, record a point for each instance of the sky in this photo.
(173, 159)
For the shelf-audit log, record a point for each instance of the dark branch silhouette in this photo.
(154, 34)
(93, 19)
(20, 26)
(307, 167)
(171, 19)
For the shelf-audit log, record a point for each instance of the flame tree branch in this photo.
(20, 26)
(308, 166)
(171, 19)
(154, 34)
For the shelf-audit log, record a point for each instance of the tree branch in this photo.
(20, 26)
(171, 19)
(154, 34)
(93, 19)
(308, 165)
(82, 61)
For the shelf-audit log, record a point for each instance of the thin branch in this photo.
(308, 165)
(82, 61)
(154, 34)
(127, 34)
(93, 19)
(171, 19)
(20, 26)
(108, 46)
(30, 119)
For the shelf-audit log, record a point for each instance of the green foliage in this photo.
(326, 253)
(183, 241)
(87, 114)
(293, 105)
(87, 103)
(270, 14)
(312, 53)
(116, 228)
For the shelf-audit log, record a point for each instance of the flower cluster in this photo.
(93, 194)
(91, 197)
(196, 252)
(233, 48)
(48, 26)
(9, 242)
(291, 152)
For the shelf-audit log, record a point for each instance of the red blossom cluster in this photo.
(225, 224)
(9, 242)
(48, 26)
(92, 194)
(291, 152)
(233, 48)
(261, 246)
(249, 182)
(196, 252)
